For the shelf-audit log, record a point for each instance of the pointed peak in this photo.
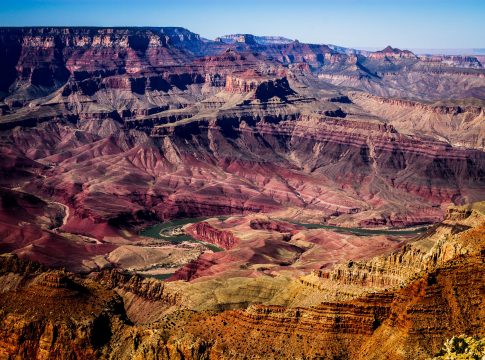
(393, 52)
(390, 49)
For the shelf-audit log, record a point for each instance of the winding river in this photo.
(366, 232)
(172, 230)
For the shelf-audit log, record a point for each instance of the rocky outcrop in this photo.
(145, 288)
(390, 52)
(243, 83)
(192, 270)
(453, 60)
(12, 264)
(278, 88)
(55, 315)
(262, 87)
(241, 38)
(203, 231)
(440, 244)
(410, 323)
(330, 328)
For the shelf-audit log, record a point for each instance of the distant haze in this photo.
(435, 51)
(411, 24)
(450, 51)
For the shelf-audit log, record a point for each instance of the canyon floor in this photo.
(168, 196)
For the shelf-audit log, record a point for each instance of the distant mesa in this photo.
(250, 39)
(264, 87)
(389, 51)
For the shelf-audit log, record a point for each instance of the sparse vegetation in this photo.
(462, 348)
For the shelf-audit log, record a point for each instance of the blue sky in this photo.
(355, 23)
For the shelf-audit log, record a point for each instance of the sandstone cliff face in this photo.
(244, 83)
(83, 61)
(53, 315)
(148, 289)
(205, 232)
(441, 243)
(411, 323)
(252, 39)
